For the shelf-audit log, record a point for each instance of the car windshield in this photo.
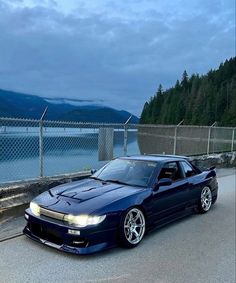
(126, 171)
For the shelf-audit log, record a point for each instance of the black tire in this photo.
(205, 202)
(127, 235)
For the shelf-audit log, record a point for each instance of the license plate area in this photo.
(47, 233)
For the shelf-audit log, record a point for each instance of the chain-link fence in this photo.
(186, 140)
(38, 148)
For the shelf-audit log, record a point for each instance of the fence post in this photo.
(214, 139)
(209, 138)
(175, 137)
(41, 173)
(232, 143)
(126, 135)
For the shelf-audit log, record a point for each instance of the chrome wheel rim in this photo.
(206, 198)
(134, 226)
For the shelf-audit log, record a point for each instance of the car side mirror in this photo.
(93, 171)
(163, 182)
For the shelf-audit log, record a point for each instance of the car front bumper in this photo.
(54, 234)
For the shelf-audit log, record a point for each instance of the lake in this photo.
(66, 150)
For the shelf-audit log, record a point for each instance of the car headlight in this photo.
(84, 220)
(35, 208)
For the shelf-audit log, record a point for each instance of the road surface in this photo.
(198, 248)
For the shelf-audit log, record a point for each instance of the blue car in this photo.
(120, 203)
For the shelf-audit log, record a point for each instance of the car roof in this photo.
(156, 157)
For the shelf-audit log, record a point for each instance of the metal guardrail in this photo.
(38, 148)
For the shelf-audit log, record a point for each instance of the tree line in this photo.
(198, 100)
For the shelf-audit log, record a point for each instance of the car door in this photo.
(172, 199)
(190, 175)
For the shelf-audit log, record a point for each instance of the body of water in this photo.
(64, 151)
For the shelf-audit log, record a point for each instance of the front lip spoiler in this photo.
(27, 232)
(69, 249)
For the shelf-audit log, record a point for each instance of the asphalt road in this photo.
(198, 248)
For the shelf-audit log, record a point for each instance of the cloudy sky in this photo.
(115, 50)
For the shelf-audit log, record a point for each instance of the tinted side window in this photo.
(170, 170)
(188, 170)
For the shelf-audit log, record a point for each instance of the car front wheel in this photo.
(205, 201)
(132, 227)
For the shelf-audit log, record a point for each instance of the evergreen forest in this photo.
(198, 100)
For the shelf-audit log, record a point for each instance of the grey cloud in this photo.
(119, 59)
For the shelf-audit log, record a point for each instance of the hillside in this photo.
(199, 100)
(100, 115)
(19, 105)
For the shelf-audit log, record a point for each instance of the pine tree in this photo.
(184, 81)
(198, 100)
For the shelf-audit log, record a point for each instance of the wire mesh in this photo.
(35, 148)
(19, 144)
(156, 139)
(192, 140)
(221, 139)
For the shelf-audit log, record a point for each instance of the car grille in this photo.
(52, 214)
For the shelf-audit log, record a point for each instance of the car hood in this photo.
(84, 197)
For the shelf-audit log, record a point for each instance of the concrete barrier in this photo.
(222, 160)
(19, 193)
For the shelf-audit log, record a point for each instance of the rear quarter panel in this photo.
(198, 182)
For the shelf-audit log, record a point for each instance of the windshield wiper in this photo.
(107, 181)
(117, 181)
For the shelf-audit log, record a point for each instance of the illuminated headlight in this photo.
(84, 220)
(35, 208)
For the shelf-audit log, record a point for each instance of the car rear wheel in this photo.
(205, 201)
(132, 227)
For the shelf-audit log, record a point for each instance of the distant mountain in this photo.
(14, 104)
(199, 100)
(99, 114)
(20, 105)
